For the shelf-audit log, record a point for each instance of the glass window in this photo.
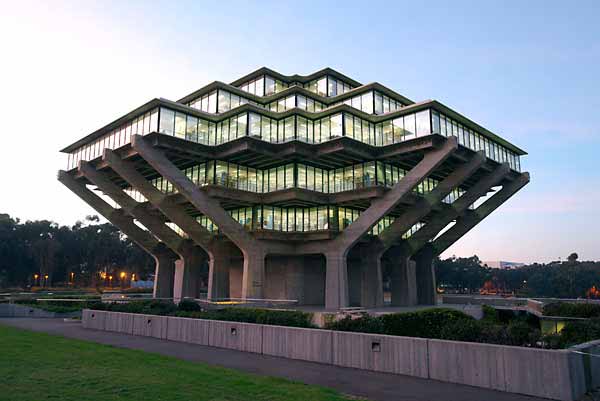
(180, 125)
(167, 121)
(241, 124)
(423, 123)
(336, 125)
(388, 135)
(260, 86)
(290, 102)
(191, 132)
(409, 126)
(367, 102)
(289, 128)
(436, 122)
(269, 85)
(255, 125)
(322, 86)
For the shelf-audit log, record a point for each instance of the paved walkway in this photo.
(372, 385)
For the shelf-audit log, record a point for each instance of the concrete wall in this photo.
(16, 310)
(297, 343)
(93, 319)
(119, 322)
(480, 365)
(188, 330)
(555, 374)
(150, 326)
(233, 335)
(392, 354)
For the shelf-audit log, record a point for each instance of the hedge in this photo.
(193, 310)
(566, 309)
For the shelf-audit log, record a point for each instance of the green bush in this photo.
(153, 307)
(425, 323)
(252, 315)
(189, 306)
(362, 324)
(575, 332)
(566, 309)
(464, 330)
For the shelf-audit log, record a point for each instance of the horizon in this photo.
(85, 65)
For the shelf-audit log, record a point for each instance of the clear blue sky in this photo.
(526, 70)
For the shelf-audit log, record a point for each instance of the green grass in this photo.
(38, 366)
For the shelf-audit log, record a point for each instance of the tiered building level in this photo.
(310, 188)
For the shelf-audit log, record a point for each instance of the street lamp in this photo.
(110, 281)
(35, 278)
(45, 280)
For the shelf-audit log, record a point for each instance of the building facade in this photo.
(311, 188)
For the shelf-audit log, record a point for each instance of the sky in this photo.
(528, 71)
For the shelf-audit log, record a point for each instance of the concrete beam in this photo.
(423, 207)
(439, 222)
(465, 223)
(382, 206)
(200, 200)
(126, 169)
(115, 216)
(153, 223)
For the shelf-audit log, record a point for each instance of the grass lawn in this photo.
(37, 366)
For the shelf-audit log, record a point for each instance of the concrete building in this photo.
(308, 188)
(500, 264)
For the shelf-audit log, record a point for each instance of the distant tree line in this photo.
(567, 279)
(44, 253)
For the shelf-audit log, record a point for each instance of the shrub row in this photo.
(566, 309)
(193, 310)
(444, 324)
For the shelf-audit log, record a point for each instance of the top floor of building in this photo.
(277, 108)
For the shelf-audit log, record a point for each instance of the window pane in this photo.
(423, 123)
(167, 121)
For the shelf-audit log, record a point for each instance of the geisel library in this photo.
(316, 189)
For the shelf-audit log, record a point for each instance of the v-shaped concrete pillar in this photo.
(187, 268)
(336, 290)
(163, 257)
(254, 251)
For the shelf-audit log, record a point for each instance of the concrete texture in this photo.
(297, 343)
(544, 373)
(16, 310)
(376, 386)
(94, 319)
(150, 326)
(234, 335)
(119, 322)
(186, 330)
(480, 365)
(390, 354)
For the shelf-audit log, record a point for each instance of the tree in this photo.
(572, 258)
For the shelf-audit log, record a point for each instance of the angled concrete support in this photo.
(470, 219)
(403, 277)
(425, 276)
(382, 206)
(161, 201)
(440, 221)
(163, 257)
(191, 258)
(336, 280)
(422, 208)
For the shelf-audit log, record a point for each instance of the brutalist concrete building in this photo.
(314, 188)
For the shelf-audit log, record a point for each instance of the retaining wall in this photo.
(555, 374)
(17, 310)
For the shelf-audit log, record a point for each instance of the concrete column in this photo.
(295, 279)
(218, 271)
(426, 287)
(253, 275)
(188, 270)
(371, 289)
(403, 279)
(164, 274)
(336, 280)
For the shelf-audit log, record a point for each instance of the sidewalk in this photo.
(372, 385)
